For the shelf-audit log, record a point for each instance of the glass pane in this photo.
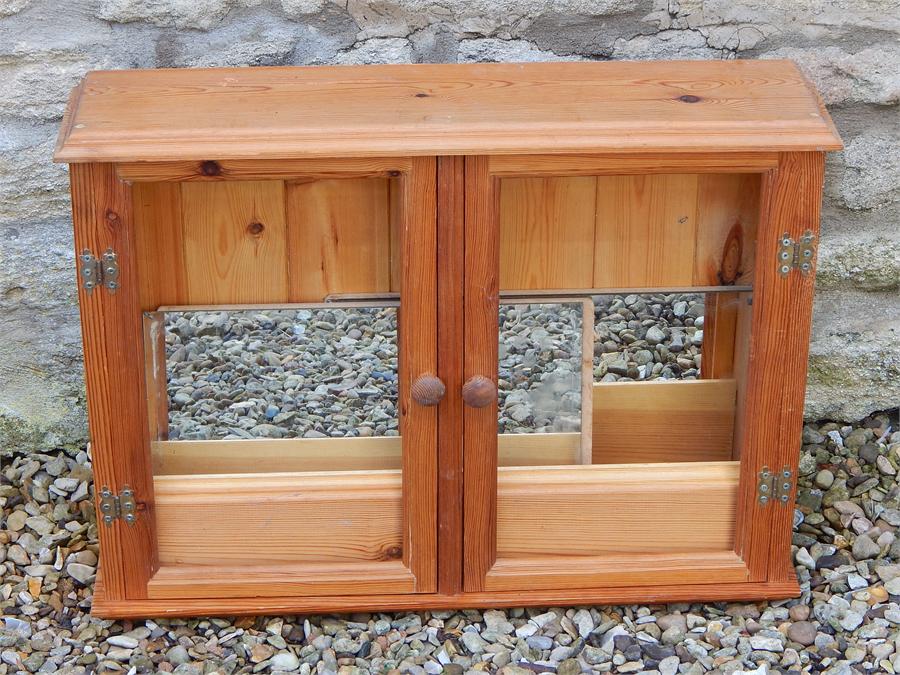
(287, 373)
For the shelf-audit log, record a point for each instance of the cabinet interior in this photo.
(246, 279)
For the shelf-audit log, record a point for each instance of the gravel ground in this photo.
(847, 620)
(332, 372)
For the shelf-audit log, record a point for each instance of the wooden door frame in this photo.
(117, 386)
(790, 202)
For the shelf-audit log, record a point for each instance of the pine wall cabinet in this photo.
(432, 336)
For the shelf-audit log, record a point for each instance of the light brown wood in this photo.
(339, 238)
(612, 571)
(417, 343)
(155, 377)
(205, 520)
(480, 293)
(547, 232)
(587, 381)
(103, 606)
(338, 454)
(776, 371)
(663, 421)
(720, 315)
(235, 242)
(112, 335)
(633, 163)
(215, 114)
(159, 244)
(451, 343)
(263, 168)
(659, 509)
(645, 231)
(172, 583)
(727, 218)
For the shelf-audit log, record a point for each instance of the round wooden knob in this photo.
(428, 390)
(479, 391)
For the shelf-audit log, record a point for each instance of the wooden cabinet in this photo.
(444, 336)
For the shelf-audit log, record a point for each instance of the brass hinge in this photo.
(121, 506)
(775, 486)
(102, 272)
(796, 255)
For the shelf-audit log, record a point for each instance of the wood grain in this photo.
(417, 343)
(720, 314)
(663, 421)
(727, 219)
(263, 168)
(428, 110)
(173, 583)
(659, 509)
(105, 607)
(645, 231)
(546, 232)
(287, 513)
(338, 454)
(112, 336)
(616, 571)
(156, 377)
(451, 343)
(632, 163)
(481, 297)
(235, 242)
(782, 313)
(338, 234)
(159, 244)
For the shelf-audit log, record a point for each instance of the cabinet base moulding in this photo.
(108, 608)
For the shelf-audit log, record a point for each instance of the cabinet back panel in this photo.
(229, 242)
(637, 231)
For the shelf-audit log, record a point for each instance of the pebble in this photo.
(802, 632)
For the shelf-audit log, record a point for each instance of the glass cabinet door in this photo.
(608, 330)
(285, 324)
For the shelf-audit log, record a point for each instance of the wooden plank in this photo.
(112, 335)
(720, 315)
(727, 219)
(263, 169)
(587, 382)
(612, 571)
(338, 237)
(235, 241)
(663, 421)
(417, 342)
(481, 291)
(451, 343)
(159, 244)
(338, 454)
(782, 309)
(103, 606)
(659, 509)
(743, 341)
(287, 512)
(632, 163)
(242, 581)
(645, 231)
(156, 378)
(429, 110)
(546, 232)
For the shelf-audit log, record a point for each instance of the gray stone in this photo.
(83, 573)
(802, 632)
(864, 548)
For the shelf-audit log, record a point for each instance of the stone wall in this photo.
(851, 49)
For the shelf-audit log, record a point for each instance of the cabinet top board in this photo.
(393, 110)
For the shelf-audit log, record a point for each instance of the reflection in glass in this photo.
(648, 337)
(285, 373)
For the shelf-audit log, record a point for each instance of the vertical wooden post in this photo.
(482, 291)
(112, 334)
(451, 344)
(782, 313)
(417, 335)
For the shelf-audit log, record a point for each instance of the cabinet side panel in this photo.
(782, 312)
(112, 333)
